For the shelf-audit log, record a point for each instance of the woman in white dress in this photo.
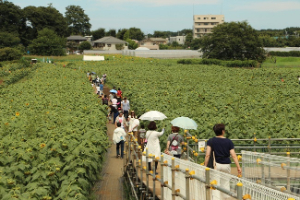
(153, 144)
(130, 119)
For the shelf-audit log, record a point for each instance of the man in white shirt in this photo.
(125, 107)
(121, 119)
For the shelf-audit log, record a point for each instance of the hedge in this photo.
(285, 54)
(8, 53)
(234, 63)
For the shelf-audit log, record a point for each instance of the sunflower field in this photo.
(259, 102)
(53, 134)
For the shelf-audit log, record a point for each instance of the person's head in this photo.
(120, 113)
(105, 96)
(175, 129)
(219, 129)
(142, 126)
(125, 98)
(152, 126)
(132, 114)
(119, 124)
(119, 89)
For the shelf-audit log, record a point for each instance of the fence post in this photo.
(239, 191)
(137, 165)
(125, 157)
(173, 179)
(154, 177)
(187, 184)
(207, 183)
(288, 173)
(147, 170)
(162, 176)
(269, 167)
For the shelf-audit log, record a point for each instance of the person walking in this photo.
(222, 148)
(105, 100)
(119, 92)
(153, 144)
(135, 124)
(121, 119)
(125, 107)
(119, 102)
(174, 142)
(113, 113)
(119, 139)
(299, 79)
(101, 88)
(142, 134)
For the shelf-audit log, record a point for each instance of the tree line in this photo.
(43, 30)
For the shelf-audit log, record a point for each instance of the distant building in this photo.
(179, 39)
(76, 39)
(108, 43)
(203, 24)
(152, 43)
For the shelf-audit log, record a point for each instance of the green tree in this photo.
(39, 18)
(175, 44)
(132, 44)
(121, 33)
(85, 46)
(195, 44)
(111, 32)
(8, 40)
(99, 33)
(160, 34)
(119, 46)
(8, 53)
(77, 20)
(188, 39)
(234, 40)
(11, 17)
(48, 43)
(134, 33)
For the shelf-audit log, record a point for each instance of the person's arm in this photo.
(168, 145)
(116, 121)
(161, 133)
(236, 161)
(207, 155)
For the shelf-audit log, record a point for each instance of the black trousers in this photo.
(121, 143)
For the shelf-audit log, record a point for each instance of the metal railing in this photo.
(172, 174)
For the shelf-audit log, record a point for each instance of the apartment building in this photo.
(203, 24)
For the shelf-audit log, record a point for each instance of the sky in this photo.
(175, 15)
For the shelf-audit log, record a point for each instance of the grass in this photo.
(289, 62)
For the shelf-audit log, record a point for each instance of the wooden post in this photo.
(207, 183)
(187, 184)
(147, 171)
(162, 176)
(239, 188)
(154, 177)
(173, 179)
(288, 185)
(137, 165)
(269, 167)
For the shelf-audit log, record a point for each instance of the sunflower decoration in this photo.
(17, 114)
(42, 145)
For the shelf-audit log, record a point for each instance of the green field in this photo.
(53, 128)
(264, 101)
(53, 133)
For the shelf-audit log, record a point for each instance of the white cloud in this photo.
(160, 2)
(271, 6)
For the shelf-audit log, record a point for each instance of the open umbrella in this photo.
(93, 72)
(153, 115)
(184, 122)
(113, 91)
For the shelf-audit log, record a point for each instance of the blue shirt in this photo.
(101, 87)
(221, 148)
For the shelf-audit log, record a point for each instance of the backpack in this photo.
(105, 101)
(174, 143)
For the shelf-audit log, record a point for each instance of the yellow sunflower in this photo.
(17, 114)
(42, 145)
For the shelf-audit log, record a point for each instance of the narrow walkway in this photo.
(110, 186)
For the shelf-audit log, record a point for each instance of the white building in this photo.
(179, 39)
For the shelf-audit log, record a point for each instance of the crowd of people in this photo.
(219, 148)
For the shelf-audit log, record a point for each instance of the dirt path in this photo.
(110, 186)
